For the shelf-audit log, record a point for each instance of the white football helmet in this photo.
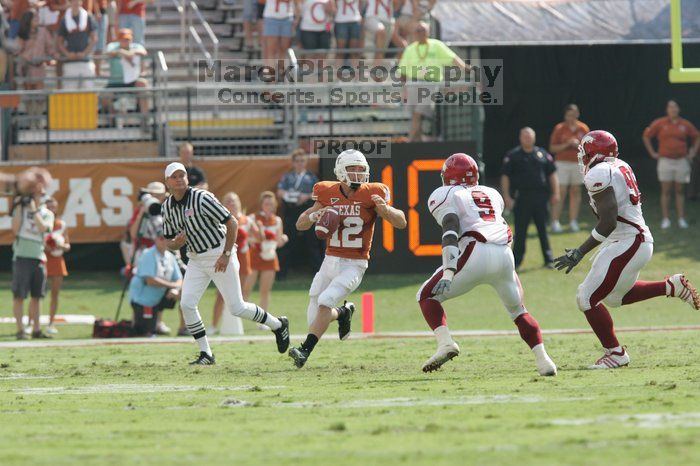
(351, 158)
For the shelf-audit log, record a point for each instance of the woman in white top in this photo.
(279, 20)
(379, 22)
(348, 27)
(316, 22)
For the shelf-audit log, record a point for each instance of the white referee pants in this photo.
(200, 272)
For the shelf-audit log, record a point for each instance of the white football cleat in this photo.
(677, 286)
(443, 354)
(545, 365)
(665, 224)
(612, 360)
(574, 227)
(556, 227)
(682, 223)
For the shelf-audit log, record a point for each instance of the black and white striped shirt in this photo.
(200, 214)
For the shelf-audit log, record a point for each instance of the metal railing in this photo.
(250, 122)
(191, 8)
(160, 79)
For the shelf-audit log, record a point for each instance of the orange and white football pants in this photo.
(335, 280)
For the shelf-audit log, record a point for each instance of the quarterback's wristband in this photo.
(448, 274)
(597, 236)
(314, 216)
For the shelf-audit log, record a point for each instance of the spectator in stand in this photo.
(57, 244)
(99, 10)
(252, 23)
(77, 37)
(294, 191)
(316, 23)
(50, 16)
(264, 245)
(563, 144)
(411, 13)
(280, 19)
(31, 221)
(673, 134)
(417, 66)
(195, 175)
(125, 70)
(233, 203)
(132, 15)
(36, 50)
(348, 29)
(113, 20)
(17, 9)
(379, 24)
(154, 288)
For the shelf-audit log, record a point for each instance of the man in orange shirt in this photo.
(358, 202)
(672, 134)
(563, 144)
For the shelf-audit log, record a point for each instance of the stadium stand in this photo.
(179, 35)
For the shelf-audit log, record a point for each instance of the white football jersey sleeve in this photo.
(617, 174)
(479, 208)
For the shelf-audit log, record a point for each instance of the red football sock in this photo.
(644, 290)
(529, 329)
(433, 313)
(601, 322)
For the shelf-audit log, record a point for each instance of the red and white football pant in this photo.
(482, 264)
(614, 272)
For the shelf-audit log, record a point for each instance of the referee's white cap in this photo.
(173, 167)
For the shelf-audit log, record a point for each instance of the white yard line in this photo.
(641, 420)
(354, 336)
(131, 388)
(433, 401)
(18, 376)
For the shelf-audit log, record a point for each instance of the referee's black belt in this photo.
(213, 247)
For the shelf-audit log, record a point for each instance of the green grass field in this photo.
(366, 401)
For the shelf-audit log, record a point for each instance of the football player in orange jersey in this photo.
(358, 203)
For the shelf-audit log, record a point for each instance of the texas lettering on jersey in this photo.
(353, 239)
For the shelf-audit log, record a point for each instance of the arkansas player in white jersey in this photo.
(627, 246)
(475, 251)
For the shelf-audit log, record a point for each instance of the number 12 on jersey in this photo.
(349, 234)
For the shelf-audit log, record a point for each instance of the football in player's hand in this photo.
(327, 224)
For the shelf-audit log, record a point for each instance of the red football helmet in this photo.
(595, 147)
(460, 169)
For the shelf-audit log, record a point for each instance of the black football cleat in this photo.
(204, 360)
(282, 335)
(299, 355)
(345, 322)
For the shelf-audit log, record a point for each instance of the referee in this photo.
(194, 217)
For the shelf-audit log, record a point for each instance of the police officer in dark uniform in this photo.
(528, 182)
